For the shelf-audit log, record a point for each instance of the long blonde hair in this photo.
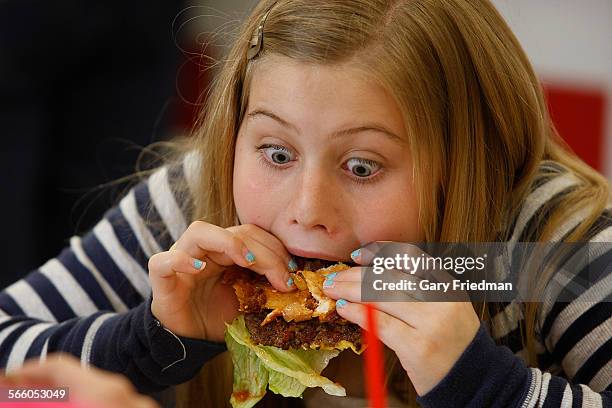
(477, 122)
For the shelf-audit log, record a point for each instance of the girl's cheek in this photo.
(388, 221)
(255, 197)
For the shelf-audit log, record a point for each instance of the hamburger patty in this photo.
(304, 318)
(286, 335)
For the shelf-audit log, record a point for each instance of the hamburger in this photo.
(283, 340)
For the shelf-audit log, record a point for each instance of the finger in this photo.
(266, 239)
(364, 276)
(353, 274)
(347, 290)
(349, 284)
(202, 239)
(164, 266)
(271, 265)
(366, 254)
(396, 303)
(359, 273)
(224, 247)
(390, 255)
(391, 331)
(167, 264)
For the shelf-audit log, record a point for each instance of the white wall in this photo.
(568, 40)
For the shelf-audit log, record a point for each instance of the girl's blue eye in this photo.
(361, 167)
(277, 154)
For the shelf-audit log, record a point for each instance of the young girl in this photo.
(334, 124)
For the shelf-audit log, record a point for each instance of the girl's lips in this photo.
(312, 254)
(315, 260)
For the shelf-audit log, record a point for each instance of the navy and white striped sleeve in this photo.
(578, 336)
(488, 375)
(93, 299)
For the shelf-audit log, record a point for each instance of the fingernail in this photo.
(340, 303)
(355, 254)
(329, 280)
(292, 265)
(250, 257)
(290, 282)
(198, 264)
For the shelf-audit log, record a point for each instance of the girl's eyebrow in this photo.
(340, 133)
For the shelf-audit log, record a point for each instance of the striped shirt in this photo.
(93, 301)
(573, 339)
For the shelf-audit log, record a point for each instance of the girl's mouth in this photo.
(313, 264)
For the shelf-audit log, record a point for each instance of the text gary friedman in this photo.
(426, 285)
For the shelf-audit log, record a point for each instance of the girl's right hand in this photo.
(188, 296)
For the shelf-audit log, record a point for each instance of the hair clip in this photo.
(256, 42)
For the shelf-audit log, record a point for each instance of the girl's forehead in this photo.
(337, 95)
(279, 70)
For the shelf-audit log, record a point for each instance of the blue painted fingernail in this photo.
(290, 282)
(292, 265)
(340, 303)
(250, 257)
(197, 264)
(329, 280)
(355, 253)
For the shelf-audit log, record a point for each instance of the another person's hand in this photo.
(428, 337)
(188, 296)
(87, 387)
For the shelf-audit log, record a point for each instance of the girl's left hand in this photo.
(428, 337)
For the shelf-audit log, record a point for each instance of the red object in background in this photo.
(374, 373)
(579, 115)
(191, 81)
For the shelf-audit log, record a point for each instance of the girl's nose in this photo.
(312, 203)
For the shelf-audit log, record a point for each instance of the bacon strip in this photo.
(255, 294)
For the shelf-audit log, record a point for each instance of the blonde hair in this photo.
(477, 122)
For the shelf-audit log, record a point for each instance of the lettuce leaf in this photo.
(286, 372)
(250, 376)
(286, 386)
